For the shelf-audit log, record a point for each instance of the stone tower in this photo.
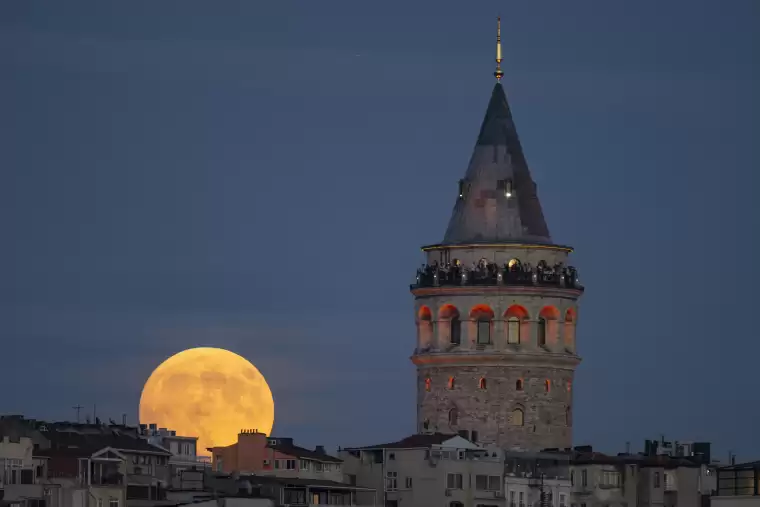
(496, 306)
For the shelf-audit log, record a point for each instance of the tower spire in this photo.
(498, 74)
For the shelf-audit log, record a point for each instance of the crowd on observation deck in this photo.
(483, 272)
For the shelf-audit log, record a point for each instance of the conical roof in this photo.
(498, 201)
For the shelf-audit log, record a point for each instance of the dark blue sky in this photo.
(259, 176)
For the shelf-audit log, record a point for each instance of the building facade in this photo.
(429, 470)
(496, 306)
(255, 453)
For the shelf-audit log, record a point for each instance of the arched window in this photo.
(517, 418)
(548, 385)
(517, 322)
(482, 315)
(541, 332)
(547, 326)
(455, 332)
(451, 383)
(449, 324)
(425, 327)
(427, 384)
(453, 417)
(519, 384)
(482, 383)
(570, 330)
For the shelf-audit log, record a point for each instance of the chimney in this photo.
(320, 449)
(123, 419)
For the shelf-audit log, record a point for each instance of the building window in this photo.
(482, 383)
(408, 483)
(519, 384)
(518, 417)
(611, 479)
(391, 481)
(572, 477)
(452, 383)
(548, 385)
(454, 481)
(113, 502)
(391, 455)
(100, 502)
(584, 478)
(541, 332)
(427, 384)
(474, 436)
(481, 482)
(484, 332)
(568, 417)
(456, 330)
(562, 500)
(522, 498)
(513, 330)
(453, 417)
(657, 479)
(304, 464)
(290, 464)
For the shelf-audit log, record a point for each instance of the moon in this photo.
(207, 393)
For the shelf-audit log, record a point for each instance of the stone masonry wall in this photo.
(547, 415)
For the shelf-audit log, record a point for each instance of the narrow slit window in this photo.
(482, 383)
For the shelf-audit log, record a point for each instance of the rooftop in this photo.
(498, 199)
(418, 441)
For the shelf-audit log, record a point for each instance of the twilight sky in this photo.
(259, 176)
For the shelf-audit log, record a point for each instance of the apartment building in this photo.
(255, 453)
(22, 474)
(429, 470)
(183, 449)
(639, 480)
(531, 478)
(81, 465)
(738, 485)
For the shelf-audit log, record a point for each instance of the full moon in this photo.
(207, 393)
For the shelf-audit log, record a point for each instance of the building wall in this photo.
(428, 475)
(547, 416)
(735, 501)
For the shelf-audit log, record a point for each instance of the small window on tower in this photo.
(548, 385)
(519, 384)
(482, 383)
(427, 384)
(451, 383)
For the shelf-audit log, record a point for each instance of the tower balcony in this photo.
(494, 275)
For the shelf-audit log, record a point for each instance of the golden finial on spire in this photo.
(499, 73)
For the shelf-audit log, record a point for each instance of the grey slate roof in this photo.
(416, 441)
(485, 214)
